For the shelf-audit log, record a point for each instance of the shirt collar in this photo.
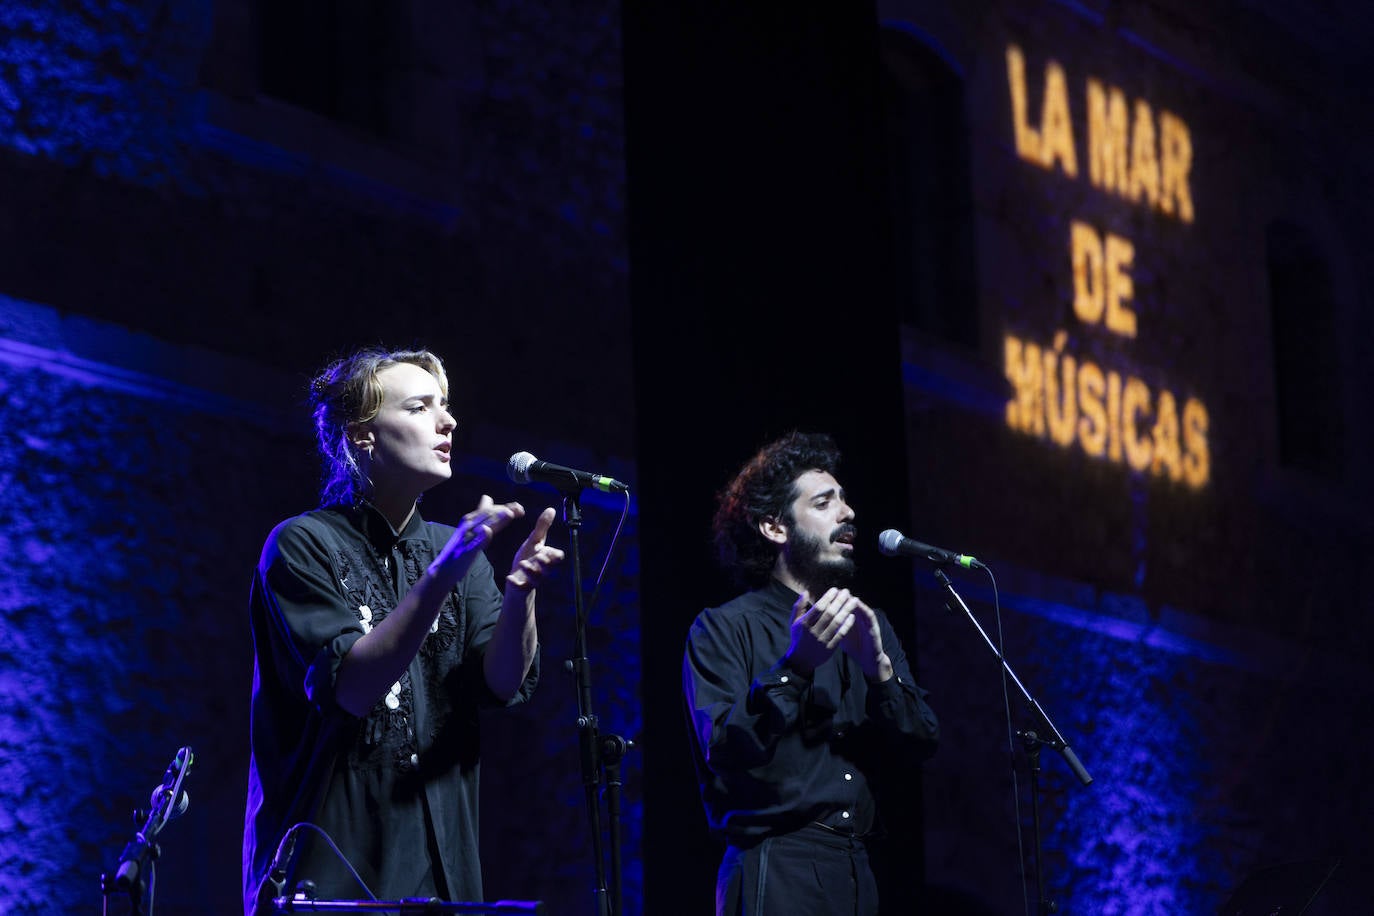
(778, 593)
(374, 526)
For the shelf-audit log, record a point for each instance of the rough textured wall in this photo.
(1212, 754)
(132, 513)
(103, 86)
(488, 217)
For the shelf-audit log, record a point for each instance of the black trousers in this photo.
(810, 872)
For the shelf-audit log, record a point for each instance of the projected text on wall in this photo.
(1142, 157)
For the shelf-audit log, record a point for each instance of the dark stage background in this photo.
(1078, 287)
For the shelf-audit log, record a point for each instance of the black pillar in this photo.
(762, 302)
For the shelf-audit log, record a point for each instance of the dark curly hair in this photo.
(766, 487)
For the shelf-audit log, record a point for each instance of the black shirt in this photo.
(397, 789)
(776, 750)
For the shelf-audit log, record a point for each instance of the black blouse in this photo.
(398, 787)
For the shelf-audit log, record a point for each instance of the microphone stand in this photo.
(598, 752)
(1032, 741)
(135, 874)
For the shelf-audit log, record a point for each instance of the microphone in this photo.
(892, 543)
(525, 468)
(162, 794)
(170, 798)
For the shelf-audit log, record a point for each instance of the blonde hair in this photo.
(348, 392)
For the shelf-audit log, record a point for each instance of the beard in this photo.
(802, 556)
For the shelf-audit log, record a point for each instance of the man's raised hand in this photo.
(817, 629)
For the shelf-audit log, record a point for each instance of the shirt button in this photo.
(844, 814)
(783, 679)
(848, 777)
